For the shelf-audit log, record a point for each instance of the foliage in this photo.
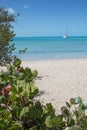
(75, 115)
(18, 108)
(6, 36)
(20, 111)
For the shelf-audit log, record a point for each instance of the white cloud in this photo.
(11, 11)
(26, 6)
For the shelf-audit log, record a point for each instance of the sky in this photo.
(48, 17)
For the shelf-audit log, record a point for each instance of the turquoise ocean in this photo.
(50, 48)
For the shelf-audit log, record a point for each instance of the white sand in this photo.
(60, 80)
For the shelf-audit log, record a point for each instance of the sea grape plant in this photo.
(18, 108)
(75, 114)
(17, 89)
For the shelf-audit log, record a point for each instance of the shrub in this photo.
(18, 108)
(6, 36)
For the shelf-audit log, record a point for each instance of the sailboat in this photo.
(65, 36)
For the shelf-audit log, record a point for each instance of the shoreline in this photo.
(60, 80)
(53, 59)
(60, 59)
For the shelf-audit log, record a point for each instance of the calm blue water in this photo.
(42, 48)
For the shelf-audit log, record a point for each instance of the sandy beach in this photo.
(60, 80)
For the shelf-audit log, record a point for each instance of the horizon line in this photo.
(52, 36)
